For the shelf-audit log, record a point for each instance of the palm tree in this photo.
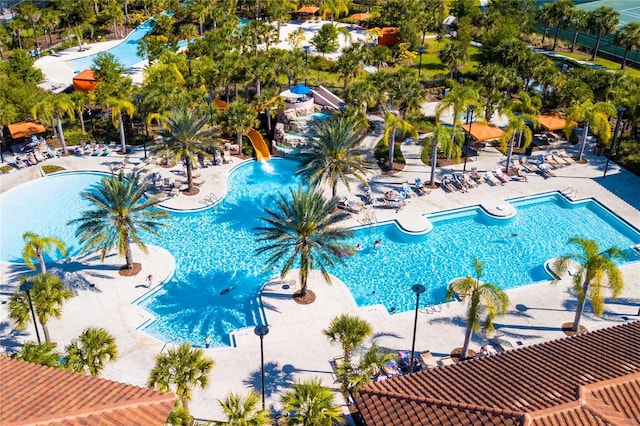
(55, 106)
(303, 228)
(185, 135)
(562, 10)
(518, 124)
(603, 20)
(81, 101)
(483, 298)
(591, 115)
(443, 138)
(48, 294)
(310, 403)
(121, 213)
(334, 155)
(181, 370)
(244, 410)
(392, 123)
(459, 98)
(371, 364)
(628, 36)
(90, 351)
(334, 8)
(595, 271)
(270, 103)
(118, 106)
(238, 118)
(350, 333)
(36, 246)
(545, 15)
(579, 18)
(39, 353)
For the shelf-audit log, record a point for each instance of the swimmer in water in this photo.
(225, 291)
(358, 247)
(377, 244)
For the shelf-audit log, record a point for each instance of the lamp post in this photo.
(210, 99)
(261, 331)
(26, 287)
(138, 97)
(418, 289)
(620, 110)
(421, 50)
(306, 61)
(472, 108)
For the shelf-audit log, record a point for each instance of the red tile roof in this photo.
(33, 394)
(588, 379)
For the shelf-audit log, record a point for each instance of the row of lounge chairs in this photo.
(94, 149)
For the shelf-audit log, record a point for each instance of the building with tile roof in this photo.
(587, 379)
(33, 394)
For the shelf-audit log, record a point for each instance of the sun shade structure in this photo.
(25, 129)
(587, 379)
(389, 36)
(85, 81)
(308, 9)
(483, 132)
(34, 394)
(361, 16)
(551, 122)
(300, 89)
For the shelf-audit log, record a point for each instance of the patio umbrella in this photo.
(300, 89)
(361, 16)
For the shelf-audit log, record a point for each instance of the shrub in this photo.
(50, 168)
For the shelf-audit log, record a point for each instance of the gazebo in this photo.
(308, 9)
(25, 129)
(85, 81)
(483, 132)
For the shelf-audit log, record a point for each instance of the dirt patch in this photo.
(567, 328)
(120, 152)
(397, 167)
(194, 191)
(126, 272)
(455, 354)
(307, 299)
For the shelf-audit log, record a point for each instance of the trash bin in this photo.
(529, 149)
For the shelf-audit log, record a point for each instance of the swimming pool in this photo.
(190, 305)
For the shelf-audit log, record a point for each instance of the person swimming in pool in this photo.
(377, 244)
(225, 291)
(358, 247)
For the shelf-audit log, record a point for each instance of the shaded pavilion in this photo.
(309, 10)
(551, 122)
(483, 132)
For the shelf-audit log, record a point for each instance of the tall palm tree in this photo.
(244, 410)
(55, 107)
(90, 351)
(181, 370)
(118, 106)
(270, 103)
(594, 115)
(81, 101)
(120, 214)
(562, 10)
(628, 36)
(185, 135)
(350, 332)
(596, 270)
(460, 97)
(40, 353)
(442, 138)
(310, 403)
(371, 363)
(603, 20)
(48, 294)
(36, 246)
(334, 155)
(481, 298)
(579, 19)
(238, 118)
(518, 124)
(393, 123)
(303, 229)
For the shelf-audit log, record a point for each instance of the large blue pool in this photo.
(190, 306)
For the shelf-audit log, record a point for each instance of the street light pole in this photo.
(620, 110)
(26, 287)
(418, 289)
(261, 331)
(421, 50)
(472, 108)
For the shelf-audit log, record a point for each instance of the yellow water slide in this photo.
(259, 145)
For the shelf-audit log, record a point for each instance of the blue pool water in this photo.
(191, 306)
(317, 116)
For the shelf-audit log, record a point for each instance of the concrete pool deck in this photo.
(295, 348)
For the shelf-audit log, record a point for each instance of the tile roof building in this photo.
(33, 394)
(588, 379)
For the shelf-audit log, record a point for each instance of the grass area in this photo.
(612, 65)
(50, 168)
(433, 67)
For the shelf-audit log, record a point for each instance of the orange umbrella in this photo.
(483, 132)
(551, 122)
(308, 9)
(361, 16)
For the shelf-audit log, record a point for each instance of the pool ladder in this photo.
(210, 198)
(569, 192)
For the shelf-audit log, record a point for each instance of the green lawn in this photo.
(603, 62)
(433, 67)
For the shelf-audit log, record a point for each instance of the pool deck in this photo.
(295, 348)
